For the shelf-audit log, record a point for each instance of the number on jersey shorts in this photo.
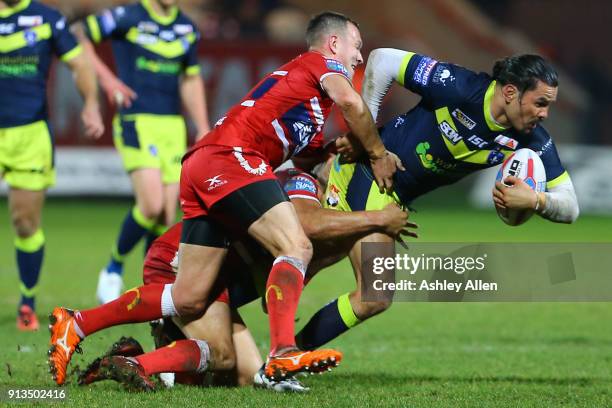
(351, 187)
(151, 141)
(26, 156)
(212, 172)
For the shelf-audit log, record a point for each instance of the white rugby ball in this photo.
(526, 165)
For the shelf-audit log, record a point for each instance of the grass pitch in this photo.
(416, 354)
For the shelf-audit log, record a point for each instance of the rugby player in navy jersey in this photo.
(465, 122)
(155, 50)
(30, 35)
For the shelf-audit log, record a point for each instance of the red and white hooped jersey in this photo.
(283, 113)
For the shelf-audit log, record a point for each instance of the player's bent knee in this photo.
(24, 226)
(223, 357)
(186, 307)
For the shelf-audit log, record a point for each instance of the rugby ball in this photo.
(526, 165)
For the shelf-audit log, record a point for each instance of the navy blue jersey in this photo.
(451, 132)
(151, 53)
(30, 33)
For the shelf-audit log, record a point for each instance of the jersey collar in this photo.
(491, 123)
(163, 20)
(22, 5)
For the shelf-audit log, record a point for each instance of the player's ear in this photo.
(332, 42)
(510, 92)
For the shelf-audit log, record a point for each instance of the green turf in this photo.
(416, 354)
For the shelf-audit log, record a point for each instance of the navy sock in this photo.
(29, 253)
(328, 323)
(134, 227)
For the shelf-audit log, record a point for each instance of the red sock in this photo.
(137, 305)
(178, 357)
(283, 290)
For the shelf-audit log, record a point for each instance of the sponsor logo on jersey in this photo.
(146, 39)
(450, 133)
(546, 146)
(29, 21)
(495, 157)
(158, 66)
(464, 119)
(8, 28)
(19, 66)
(399, 122)
(30, 37)
(333, 198)
(423, 70)
(167, 35)
(108, 22)
(334, 65)
(148, 27)
(477, 141)
(215, 182)
(298, 184)
(442, 75)
(506, 141)
(182, 29)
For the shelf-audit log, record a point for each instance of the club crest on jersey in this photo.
(495, 157)
(442, 75)
(423, 70)
(29, 21)
(506, 141)
(167, 35)
(334, 65)
(30, 37)
(464, 119)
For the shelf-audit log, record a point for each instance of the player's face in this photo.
(10, 3)
(531, 108)
(348, 48)
(167, 3)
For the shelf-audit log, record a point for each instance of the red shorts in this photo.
(212, 172)
(152, 275)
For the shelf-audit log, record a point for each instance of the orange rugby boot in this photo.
(26, 319)
(64, 342)
(292, 362)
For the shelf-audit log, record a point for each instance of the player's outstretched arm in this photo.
(381, 71)
(85, 79)
(116, 91)
(193, 95)
(324, 224)
(359, 120)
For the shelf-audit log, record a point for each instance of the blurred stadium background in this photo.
(472, 355)
(242, 39)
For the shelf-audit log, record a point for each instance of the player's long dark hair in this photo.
(524, 71)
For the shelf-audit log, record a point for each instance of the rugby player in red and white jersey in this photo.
(332, 233)
(228, 188)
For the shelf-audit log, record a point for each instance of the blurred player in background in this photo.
(228, 189)
(332, 233)
(155, 49)
(465, 122)
(30, 34)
